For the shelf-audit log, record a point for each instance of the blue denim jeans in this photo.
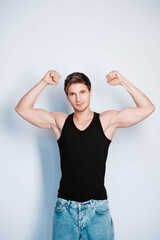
(90, 220)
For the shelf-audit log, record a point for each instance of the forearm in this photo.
(139, 97)
(29, 99)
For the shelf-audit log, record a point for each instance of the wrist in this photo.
(44, 82)
(123, 82)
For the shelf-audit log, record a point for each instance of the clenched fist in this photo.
(52, 77)
(114, 78)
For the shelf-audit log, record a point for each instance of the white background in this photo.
(93, 37)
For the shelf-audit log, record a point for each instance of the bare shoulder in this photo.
(108, 123)
(59, 119)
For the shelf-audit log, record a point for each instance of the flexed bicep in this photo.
(39, 117)
(130, 116)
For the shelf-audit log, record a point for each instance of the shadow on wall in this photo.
(50, 165)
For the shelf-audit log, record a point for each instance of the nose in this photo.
(78, 98)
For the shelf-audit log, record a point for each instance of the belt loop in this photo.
(68, 203)
(91, 204)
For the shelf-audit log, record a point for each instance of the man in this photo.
(82, 207)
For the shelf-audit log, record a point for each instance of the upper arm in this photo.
(130, 116)
(38, 117)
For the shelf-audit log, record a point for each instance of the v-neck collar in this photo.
(82, 131)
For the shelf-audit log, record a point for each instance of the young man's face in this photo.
(79, 96)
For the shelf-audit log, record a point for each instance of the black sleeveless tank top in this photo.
(83, 155)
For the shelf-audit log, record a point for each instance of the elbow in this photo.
(16, 109)
(152, 109)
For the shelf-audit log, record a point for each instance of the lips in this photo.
(79, 105)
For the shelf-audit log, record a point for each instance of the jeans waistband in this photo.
(76, 204)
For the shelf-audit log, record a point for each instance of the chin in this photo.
(79, 109)
(82, 109)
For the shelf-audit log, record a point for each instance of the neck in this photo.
(83, 116)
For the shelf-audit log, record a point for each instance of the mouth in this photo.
(79, 105)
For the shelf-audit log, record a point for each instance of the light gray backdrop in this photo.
(93, 37)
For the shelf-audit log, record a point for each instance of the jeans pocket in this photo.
(59, 207)
(102, 207)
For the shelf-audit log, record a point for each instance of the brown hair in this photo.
(76, 77)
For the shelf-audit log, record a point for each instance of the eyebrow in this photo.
(80, 91)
